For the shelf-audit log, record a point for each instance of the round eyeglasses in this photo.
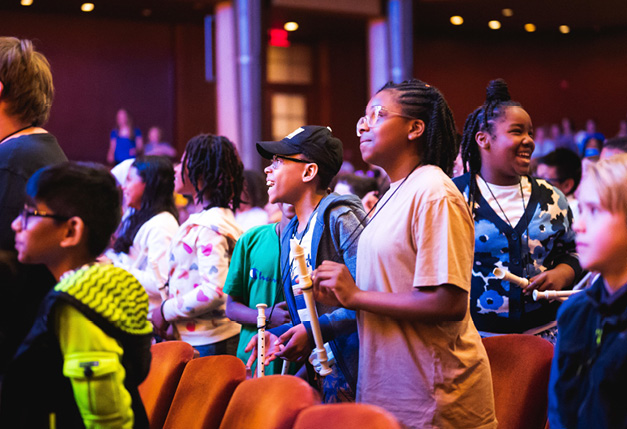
(376, 117)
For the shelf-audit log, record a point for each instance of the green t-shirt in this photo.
(255, 278)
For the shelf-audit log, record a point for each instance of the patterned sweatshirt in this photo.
(199, 261)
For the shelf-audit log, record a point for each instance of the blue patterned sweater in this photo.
(497, 306)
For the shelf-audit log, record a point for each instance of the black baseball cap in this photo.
(314, 141)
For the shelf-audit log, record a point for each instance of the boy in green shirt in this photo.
(255, 278)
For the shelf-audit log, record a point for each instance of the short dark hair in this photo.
(213, 161)
(157, 174)
(325, 175)
(359, 185)
(27, 80)
(85, 190)
(255, 188)
(566, 162)
(619, 143)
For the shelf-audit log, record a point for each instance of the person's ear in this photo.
(310, 172)
(417, 129)
(1, 88)
(568, 185)
(483, 140)
(74, 233)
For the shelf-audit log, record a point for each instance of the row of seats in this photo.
(212, 392)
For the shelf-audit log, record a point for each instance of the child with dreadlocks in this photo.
(522, 224)
(201, 250)
(89, 347)
(421, 357)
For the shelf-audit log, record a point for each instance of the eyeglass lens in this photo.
(369, 119)
(24, 214)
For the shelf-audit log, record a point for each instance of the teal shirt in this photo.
(255, 278)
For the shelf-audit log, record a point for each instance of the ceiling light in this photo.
(564, 29)
(26, 2)
(87, 7)
(290, 26)
(530, 28)
(507, 12)
(457, 20)
(494, 24)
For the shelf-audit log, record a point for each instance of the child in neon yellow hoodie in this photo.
(89, 347)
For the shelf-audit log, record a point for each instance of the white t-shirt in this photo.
(426, 374)
(305, 242)
(508, 197)
(147, 258)
(251, 218)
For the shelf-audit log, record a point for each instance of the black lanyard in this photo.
(15, 132)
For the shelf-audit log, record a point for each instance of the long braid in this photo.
(423, 101)
(215, 170)
(482, 119)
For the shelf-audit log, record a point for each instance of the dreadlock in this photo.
(483, 119)
(157, 174)
(422, 101)
(215, 170)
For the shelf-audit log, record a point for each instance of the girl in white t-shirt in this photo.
(142, 247)
(522, 224)
(420, 356)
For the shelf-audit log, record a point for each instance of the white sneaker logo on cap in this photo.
(295, 133)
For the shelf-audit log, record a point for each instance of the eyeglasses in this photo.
(26, 213)
(376, 118)
(555, 181)
(277, 161)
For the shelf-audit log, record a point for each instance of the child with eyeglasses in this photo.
(421, 357)
(89, 348)
(327, 226)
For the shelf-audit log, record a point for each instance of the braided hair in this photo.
(215, 170)
(157, 174)
(423, 101)
(483, 119)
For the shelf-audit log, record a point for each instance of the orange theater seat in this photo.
(345, 416)
(168, 361)
(269, 402)
(520, 367)
(204, 391)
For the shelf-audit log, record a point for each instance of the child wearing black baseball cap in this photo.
(328, 227)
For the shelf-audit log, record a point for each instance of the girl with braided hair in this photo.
(522, 224)
(201, 250)
(420, 355)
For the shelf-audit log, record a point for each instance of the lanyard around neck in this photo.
(14, 133)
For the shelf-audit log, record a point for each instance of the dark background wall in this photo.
(156, 71)
(578, 76)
